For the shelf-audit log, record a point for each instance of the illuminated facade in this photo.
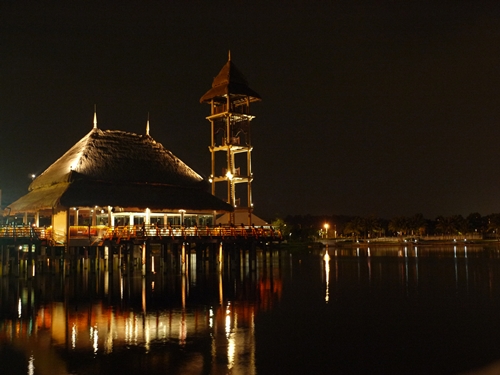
(112, 178)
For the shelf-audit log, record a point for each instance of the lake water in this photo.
(393, 310)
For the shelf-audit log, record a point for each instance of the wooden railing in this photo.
(25, 232)
(142, 231)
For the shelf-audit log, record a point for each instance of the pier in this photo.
(147, 248)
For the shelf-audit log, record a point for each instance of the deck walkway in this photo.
(101, 233)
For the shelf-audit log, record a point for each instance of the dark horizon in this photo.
(367, 110)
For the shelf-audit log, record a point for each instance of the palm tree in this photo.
(354, 227)
(417, 224)
(399, 225)
(451, 224)
(494, 223)
(476, 223)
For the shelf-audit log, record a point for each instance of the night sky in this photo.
(388, 109)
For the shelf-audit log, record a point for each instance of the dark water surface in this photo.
(394, 310)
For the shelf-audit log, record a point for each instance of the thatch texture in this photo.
(118, 156)
(116, 168)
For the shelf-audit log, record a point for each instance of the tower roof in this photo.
(229, 81)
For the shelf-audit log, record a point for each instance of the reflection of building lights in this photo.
(228, 320)
(96, 340)
(19, 308)
(136, 330)
(182, 330)
(109, 343)
(231, 350)
(31, 365)
(147, 336)
(121, 288)
(73, 336)
(228, 325)
(94, 337)
(211, 318)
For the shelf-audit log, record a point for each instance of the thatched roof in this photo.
(229, 81)
(118, 156)
(116, 168)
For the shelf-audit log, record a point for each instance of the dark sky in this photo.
(384, 108)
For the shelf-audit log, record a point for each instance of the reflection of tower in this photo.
(230, 99)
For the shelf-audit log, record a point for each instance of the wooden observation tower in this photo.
(231, 146)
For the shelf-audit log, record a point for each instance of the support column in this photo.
(148, 259)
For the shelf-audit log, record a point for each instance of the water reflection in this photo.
(303, 312)
(191, 322)
(375, 266)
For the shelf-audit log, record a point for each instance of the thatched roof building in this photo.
(116, 168)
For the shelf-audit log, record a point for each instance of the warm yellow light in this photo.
(229, 175)
(327, 226)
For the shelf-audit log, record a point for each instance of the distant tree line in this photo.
(309, 227)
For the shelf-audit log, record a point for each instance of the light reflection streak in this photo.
(94, 338)
(31, 365)
(147, 335)
(121, 287)
(109, 337)
(416, 263)
(221, 289)
(326, 259)
(183, 290)
(73, 336)
(228, 320)
(231, 350)
(369, 267)
(136, 329)
(466, 270)
(406, 270)
(182, 329)
(144, 295)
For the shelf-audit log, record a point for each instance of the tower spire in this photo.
(229, 56)
(147, 125)
(95, 117)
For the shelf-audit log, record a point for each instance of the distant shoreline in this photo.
(408, 241)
